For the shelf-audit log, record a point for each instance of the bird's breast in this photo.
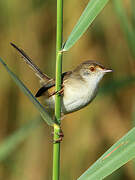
(77, 96)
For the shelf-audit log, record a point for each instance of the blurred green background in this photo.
(26, 141)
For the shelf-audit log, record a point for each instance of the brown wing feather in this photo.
(50, 87)
(51, 91)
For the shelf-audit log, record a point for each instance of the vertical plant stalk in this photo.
(56, 146)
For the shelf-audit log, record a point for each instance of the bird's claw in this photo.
(61, 135)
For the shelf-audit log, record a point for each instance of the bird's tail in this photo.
(28, 60)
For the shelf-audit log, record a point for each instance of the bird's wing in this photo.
(45, 88)
(50, 86)
(29, 61)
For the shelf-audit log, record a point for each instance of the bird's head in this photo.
(92, 71)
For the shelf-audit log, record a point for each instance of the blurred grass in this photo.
(14, 140)
(126, 26)
(115, 85)
(106, 119)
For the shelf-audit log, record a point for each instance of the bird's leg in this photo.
(60, 134)
(60, 92)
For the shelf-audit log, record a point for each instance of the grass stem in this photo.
(56, 146)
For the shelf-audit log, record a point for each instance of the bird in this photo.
(79, 86)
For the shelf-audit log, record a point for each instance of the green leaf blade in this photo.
(119, 154)
(36, 103)
(93, 8)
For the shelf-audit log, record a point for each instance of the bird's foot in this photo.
(61, 135)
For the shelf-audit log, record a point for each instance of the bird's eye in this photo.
(92, 68)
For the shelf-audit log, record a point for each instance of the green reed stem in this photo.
(56, 145)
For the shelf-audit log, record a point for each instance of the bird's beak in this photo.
(107, 70)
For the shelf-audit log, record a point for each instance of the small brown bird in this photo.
(79, 87)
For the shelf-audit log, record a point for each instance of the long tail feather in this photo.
(29, 61)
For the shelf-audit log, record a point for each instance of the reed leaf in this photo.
(26, 91)
(91, 11)
(118, 155)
